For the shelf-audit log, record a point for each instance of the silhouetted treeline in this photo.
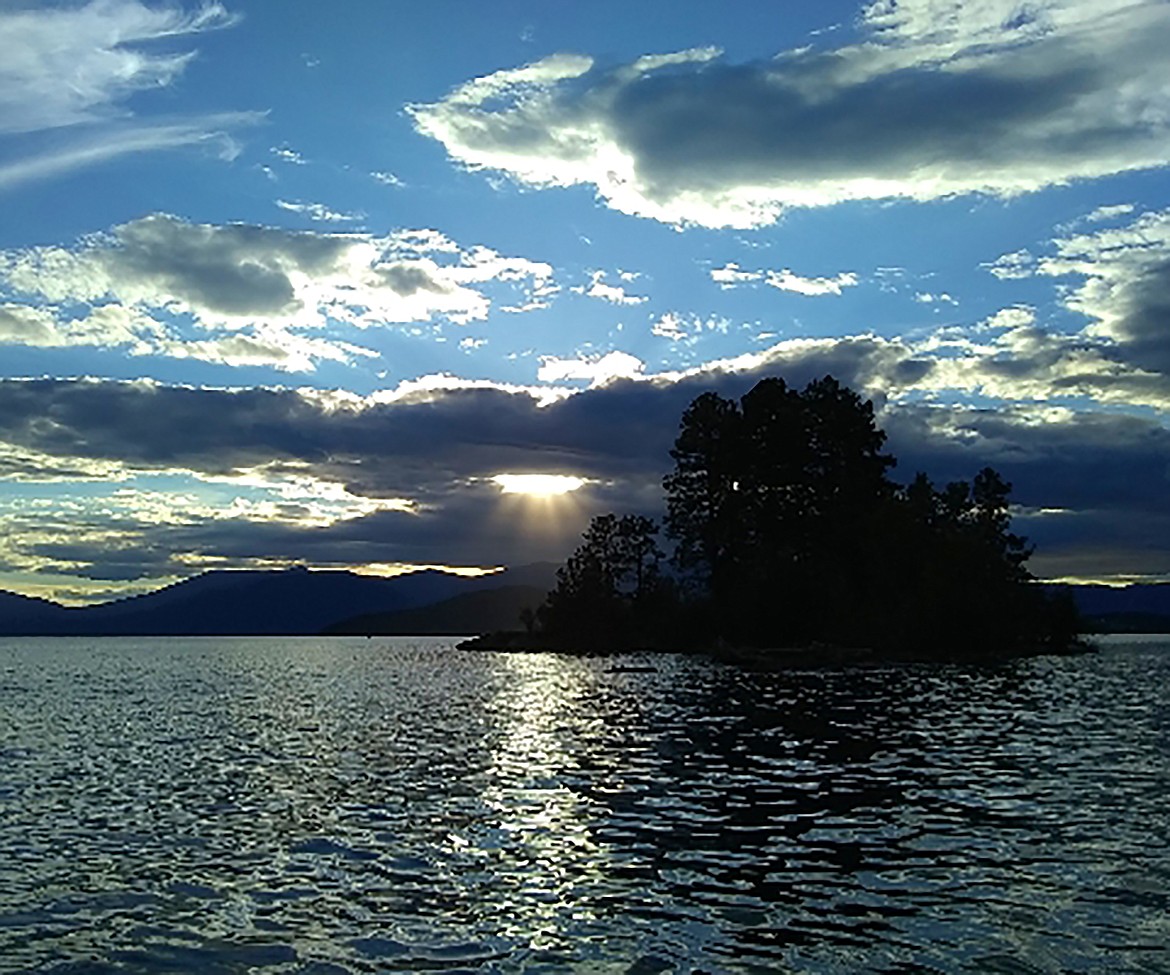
(787, 530)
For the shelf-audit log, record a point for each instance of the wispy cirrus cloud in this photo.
(69, 72)
(940, 99)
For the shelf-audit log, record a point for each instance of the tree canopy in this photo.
(606, 587)
(787, 529)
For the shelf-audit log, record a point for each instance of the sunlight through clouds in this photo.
(538, 485)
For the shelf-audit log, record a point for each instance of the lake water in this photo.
(343, 805)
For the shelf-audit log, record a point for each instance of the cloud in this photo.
(679, 327)
(291, 156)
(108, 142)
(1125, 285)
(940, 99)
(597, 370)
(387, 179)
(615, 294)
(732, 275)
(785, 280)
(21, 325)
(1012, 267)
(106, 326)
(319, 212)
(1110, 212)
(336, 478)
(257, 286)
(68, 65)
(1116, 277)
(669, 326)
(69, 72)
(265, 346)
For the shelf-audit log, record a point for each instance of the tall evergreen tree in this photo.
(607, 587)
(783, 514)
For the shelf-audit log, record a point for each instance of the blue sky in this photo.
(285, 283)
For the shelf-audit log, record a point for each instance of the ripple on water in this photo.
(330, 806)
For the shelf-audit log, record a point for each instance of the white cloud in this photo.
(319, 212)
(1111, 212)
(263, 346)
(432, 387)
(101, 144)
(613, 293)
(107, 326)
(945, 98)
(678, 327)
(1012, 267)
(69, 71)
(732, 275)
(387, 179)
(670, 326)
(22, 325)
(1017, 316)
(597, 370)
(785, 280)
(1124, 280)
(69, 65)
(285, 154)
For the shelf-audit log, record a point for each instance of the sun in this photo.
(538, 485)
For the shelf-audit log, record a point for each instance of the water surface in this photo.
(348, 805)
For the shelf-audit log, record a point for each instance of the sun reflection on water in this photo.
(544, 821)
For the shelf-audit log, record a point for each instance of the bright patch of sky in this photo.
(362, 214)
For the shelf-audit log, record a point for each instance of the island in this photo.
(790, 544)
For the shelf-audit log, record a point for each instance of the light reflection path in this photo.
(542, 821)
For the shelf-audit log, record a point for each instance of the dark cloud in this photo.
(785, 120)
(1103, 470)
(235, 269)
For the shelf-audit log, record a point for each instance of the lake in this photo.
(347, 805)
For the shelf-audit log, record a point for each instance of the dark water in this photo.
(333, 806)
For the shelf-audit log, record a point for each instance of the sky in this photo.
(381, 285)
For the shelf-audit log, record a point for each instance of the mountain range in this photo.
(260, 602)
(1123, 609)
(298, 601)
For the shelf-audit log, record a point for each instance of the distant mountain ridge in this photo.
(255, 602)
(1123, 609)
(227, 602)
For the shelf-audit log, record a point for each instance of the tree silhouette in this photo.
(765, 495)
(788, 531)
(606, 588)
